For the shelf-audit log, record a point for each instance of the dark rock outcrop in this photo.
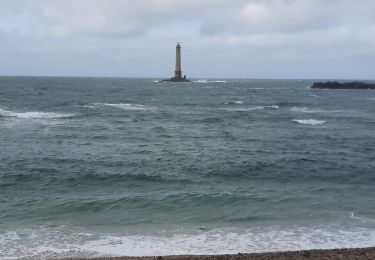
(345, 85)
(175, 80)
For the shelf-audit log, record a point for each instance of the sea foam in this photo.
(33, 115)
(44, 244)
(305, 110)
(126, 106)
(309, 121)
(209, 81)
(245, 109)
(237, 102)
(308, 110)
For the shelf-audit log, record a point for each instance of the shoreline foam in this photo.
(343, 254)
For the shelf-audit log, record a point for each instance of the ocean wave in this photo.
(33, 115)
(237, 102)
(309, 121)
(209, 81)
(47, 244)
(212, 120)
(125, 106)
(289, 104)
(250, 108)
(87, 106)
(305, 110)
(265, 88)
(361, 218)
(308, 110)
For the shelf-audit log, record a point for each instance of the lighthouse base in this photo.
(175, 80)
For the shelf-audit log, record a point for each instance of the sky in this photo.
(301, 39)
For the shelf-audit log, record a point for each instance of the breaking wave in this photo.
(125, 106)
(308, 110)
(237, 102)
(209, 81)
(33, 115)
(240, 109)
(305, 110)
(47, 244)
(309, 121)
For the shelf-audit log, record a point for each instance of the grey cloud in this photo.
(69, 17)
(240, 35)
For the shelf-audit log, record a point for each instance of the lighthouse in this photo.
(178, 71)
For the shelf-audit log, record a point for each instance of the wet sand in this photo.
(342, 254)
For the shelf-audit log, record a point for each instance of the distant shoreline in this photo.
(324, 254)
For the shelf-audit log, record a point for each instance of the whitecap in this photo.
(88, 106)
(209, 81)
(251, 108)
(306, 110)
(219, 81)
(126, 106)
(33, 115)
(221, 241)
(200, 81)
(243, 109)
(237, 102)
(309, 121)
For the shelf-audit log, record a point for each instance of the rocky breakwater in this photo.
(344, 85)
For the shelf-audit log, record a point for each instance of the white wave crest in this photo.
(209, 81)
(219, 81)
(56, 244)
(305, 110)
(33, 115)
(250, 108)
(126, 106)
(88, 106)
(309, 121)
(237, 102)
(308, 110)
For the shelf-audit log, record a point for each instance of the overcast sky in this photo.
(220, 38)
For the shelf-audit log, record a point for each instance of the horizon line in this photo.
(150, 77)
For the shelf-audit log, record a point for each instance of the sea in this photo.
(119, 166)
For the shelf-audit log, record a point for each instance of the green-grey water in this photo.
(111, 166)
